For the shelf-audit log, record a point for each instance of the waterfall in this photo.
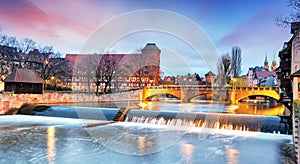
(209, 120)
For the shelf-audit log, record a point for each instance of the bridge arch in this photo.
(188, 93)
(193, 97)
(239, 95)
(150, 92)
(157, 95)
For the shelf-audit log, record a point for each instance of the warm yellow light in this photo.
(51, 148)
(143, 105)
(52, 77)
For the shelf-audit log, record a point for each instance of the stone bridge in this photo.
(187, 93)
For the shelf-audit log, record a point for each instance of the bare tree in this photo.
(87, 69)
(294, 14)
(3, 37)
(224, 69)
(106, 68)
(57, 67)
(236, 61)
(46, 49)
(48, 64)
(26, 45)
(9, 41)
(140, 73)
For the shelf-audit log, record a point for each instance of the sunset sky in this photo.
(68, 24)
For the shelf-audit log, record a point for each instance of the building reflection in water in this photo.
(260, 109)
(232, 155)
(186, 151)
(51, 149)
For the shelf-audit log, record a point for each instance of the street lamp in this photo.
(233, 83)
(53, 80)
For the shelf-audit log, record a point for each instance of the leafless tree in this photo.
(106, 68)
(140, 72)
(42, 59)
(224, 69)
(294, 14)
(87, 69)
(26, 45)
(3, 37)
(9, 41)
(236, 61)
(51, 64)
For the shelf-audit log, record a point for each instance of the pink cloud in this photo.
(63, 24)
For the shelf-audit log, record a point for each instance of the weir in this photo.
(209, 120)
(243, 122)
(89, 113)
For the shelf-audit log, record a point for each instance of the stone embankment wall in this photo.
(13, 101)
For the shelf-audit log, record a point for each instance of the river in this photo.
(84, 133)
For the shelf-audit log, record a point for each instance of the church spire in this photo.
(274, 63)
(266, 63)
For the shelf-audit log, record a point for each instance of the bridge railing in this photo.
(204, 87)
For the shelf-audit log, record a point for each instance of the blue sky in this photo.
(68, 25)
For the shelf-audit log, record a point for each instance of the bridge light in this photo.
(143, 105)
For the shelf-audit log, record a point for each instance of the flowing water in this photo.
(170, 133)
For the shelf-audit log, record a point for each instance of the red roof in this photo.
(24, 75)
(262, 74)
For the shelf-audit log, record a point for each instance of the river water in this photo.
(89, 136)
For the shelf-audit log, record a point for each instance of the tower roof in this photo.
(210, 74)
(266, 59)
(274, 60)
(150, 47)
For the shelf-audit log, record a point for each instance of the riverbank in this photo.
(10, 102)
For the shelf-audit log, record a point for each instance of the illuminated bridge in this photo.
(186, 93)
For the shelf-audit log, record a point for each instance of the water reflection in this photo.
(255, 108)
(141, 144)
(269, 109)
(232, 155)
(144, 145)
(186, 152)
(51, 149)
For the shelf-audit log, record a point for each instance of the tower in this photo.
(274, 64)
(152, 61)
(266, 63)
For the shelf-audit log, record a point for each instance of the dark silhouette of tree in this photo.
(236, 61)
(141, 68)
(26, 53)
(106, 68)
(57, 67)
(224, 69)
(9, 60)
(294, 14)
(87, 69)
(9, 41)
(53, 66)
(26, 45)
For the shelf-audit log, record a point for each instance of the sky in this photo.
(189, 33)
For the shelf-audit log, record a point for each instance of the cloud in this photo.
(250, 31)
(63, 24)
